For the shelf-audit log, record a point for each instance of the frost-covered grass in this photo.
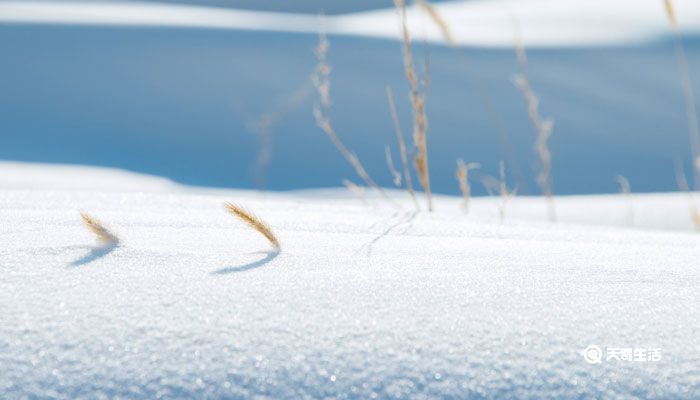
(363, 301)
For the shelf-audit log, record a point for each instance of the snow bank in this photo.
(364, 300)
(544, 23)
(480, 23)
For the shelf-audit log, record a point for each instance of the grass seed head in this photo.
(103, 234)
(254, 222)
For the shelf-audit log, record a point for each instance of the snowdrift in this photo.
(364, 301)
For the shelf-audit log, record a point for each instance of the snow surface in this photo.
(482, 23)
(365, 300)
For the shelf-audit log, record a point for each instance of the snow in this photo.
(365, 300)
(152, 14)
(545, 23)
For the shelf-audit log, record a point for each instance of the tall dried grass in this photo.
(499, 187)
(503, 191)
(462, 175)
(264, 125)
(321, 80)
(402, 146)
(420, 123)
(395, 175)
(438, 20)
(688, 95)
(355, 189)
(543, 128)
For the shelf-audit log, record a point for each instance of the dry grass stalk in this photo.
(420, 124)
(254, 222)
(321, 80)
(462, 175)
(543, 128)
(355, 189)
(626, 190)
(396, 176)
(402, 146)
(427, 78)
(438, 20)
(481, 90)
(263, 126)
(503, 191)
(499, 187)
(103, 234)
(683, 186)
(671, 13)
(624, 183)
(520, 54)
(689, 97)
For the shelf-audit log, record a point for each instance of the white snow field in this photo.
(364, 301)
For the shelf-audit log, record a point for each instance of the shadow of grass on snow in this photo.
(269, 256)
(94, 254)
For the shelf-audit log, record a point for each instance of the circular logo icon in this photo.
(593, 354)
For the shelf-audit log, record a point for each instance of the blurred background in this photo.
(204, 94)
